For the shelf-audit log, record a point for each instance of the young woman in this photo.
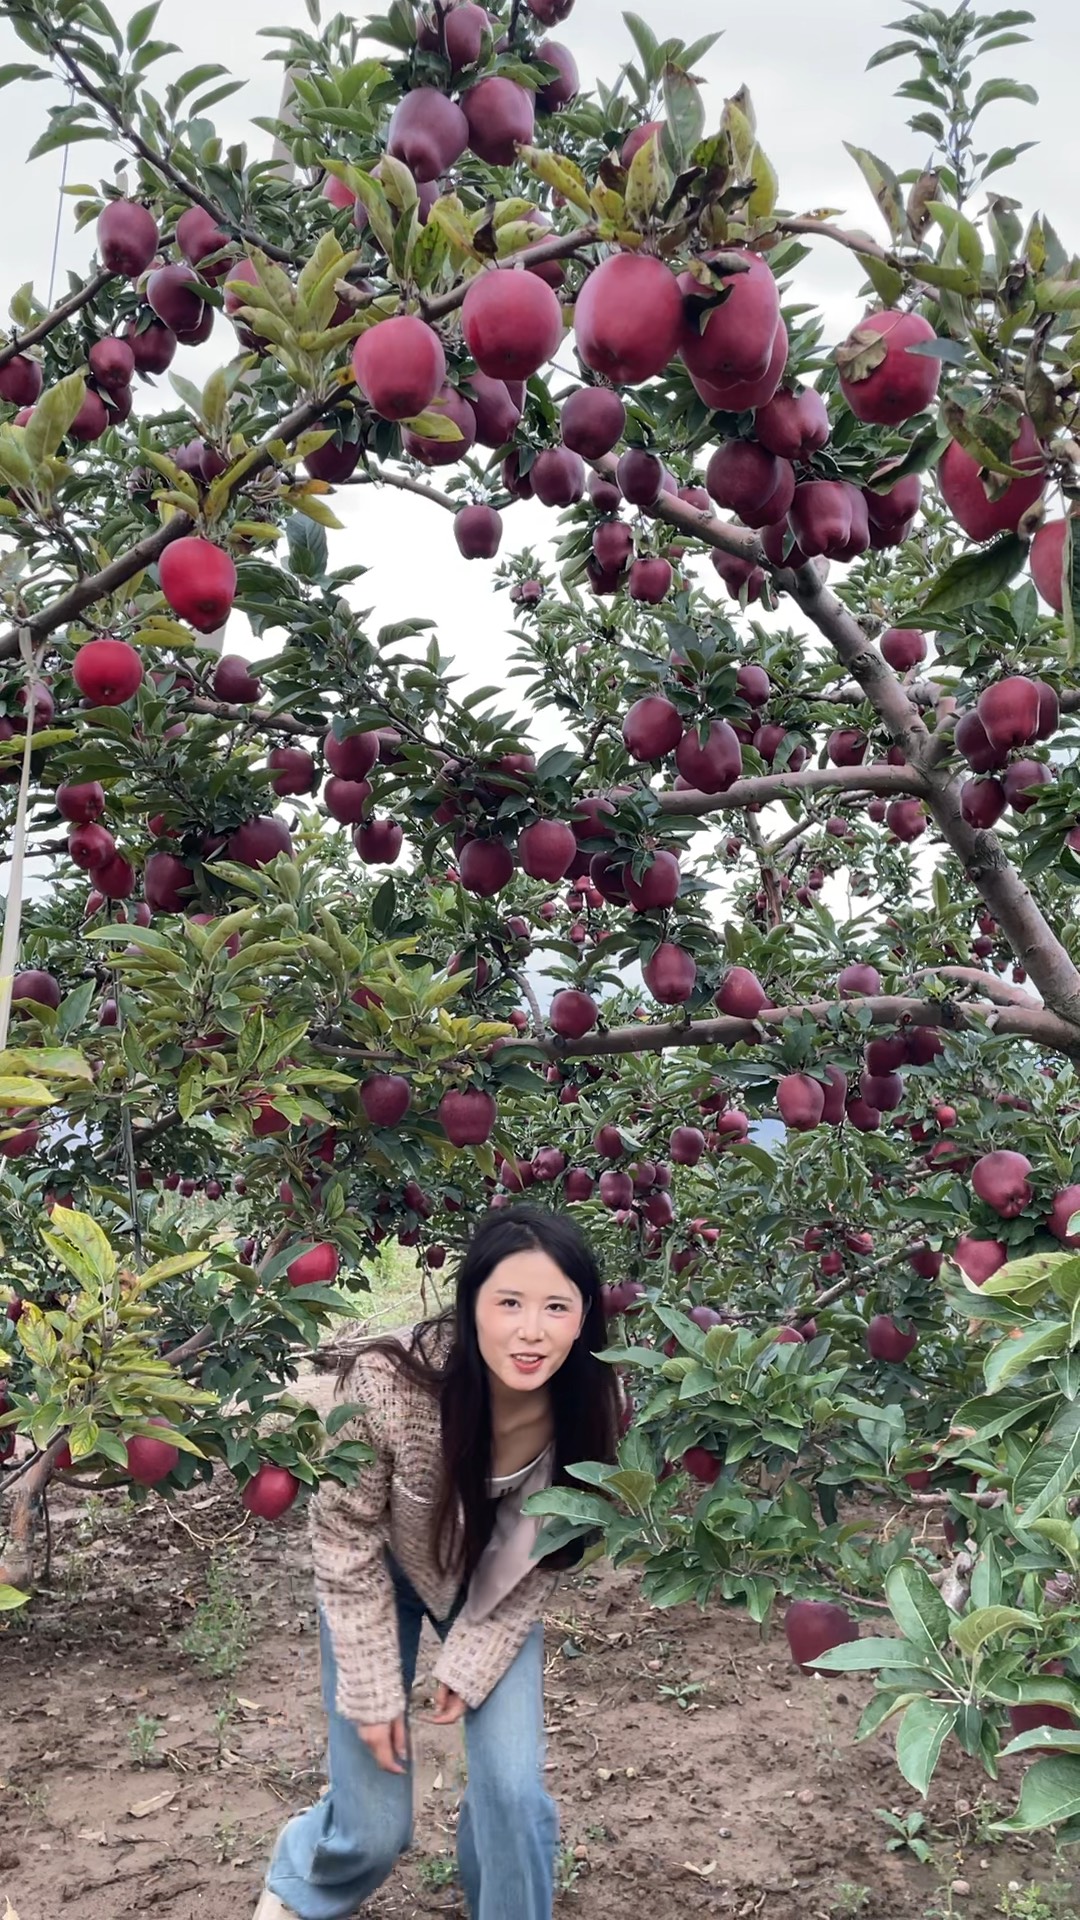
(487, 1403)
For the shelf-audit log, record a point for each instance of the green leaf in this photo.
(140, 24)
(884, 186)
(1051, 1468)
(1050, 1794)
(920, 1737)
(11, 1598)
(15, 71)
(53, 415)
(684, 110)
(79, 1244)
(887, 282)
(961, 230)
(973, 578)
(1031, 1275)
(895, 50)
(1011, 1357)
(975, 1629)
(64, 133)
(646, 43)
(866, 1656)
(917, 1607)
(1003, 89)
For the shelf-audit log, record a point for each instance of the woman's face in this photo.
(528, 1315)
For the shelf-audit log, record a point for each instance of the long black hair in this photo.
(584, 1391)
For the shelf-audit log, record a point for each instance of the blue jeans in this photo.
(328, 1860)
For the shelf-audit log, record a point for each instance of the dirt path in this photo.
(696, 1772)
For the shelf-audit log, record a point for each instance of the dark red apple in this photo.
(512, 321)
(467, 1116)
(198, 580)
(1001, 1180)
(235, 682)
(628, 318)
(259, 841)
(886, 388)
(127, 238)
(378, 842)
(270, 1491)
(814, 1627)
(293, 769)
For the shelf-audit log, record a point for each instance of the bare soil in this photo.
(697, 1773)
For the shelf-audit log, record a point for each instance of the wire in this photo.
(59, 209)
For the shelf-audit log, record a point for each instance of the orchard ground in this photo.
(164, 1701)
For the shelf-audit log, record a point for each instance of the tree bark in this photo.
(982, 855)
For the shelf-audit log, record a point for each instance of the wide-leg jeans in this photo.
(328, 1860)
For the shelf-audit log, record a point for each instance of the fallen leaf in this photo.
(154, 1805)
(88, 1833)
(249, 1706)
(700, 1871)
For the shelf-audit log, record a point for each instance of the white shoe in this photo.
(271, 1908)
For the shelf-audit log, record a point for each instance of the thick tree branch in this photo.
(982, 855)
(253, 718)
(74, 302)
(885, 1010)
(773, 786)
(98, 586)
(987, 983)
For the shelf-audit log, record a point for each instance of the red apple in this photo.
(270, 1491)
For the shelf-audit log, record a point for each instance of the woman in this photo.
(487, 1403)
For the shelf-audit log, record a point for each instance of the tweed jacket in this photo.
(391, 1505)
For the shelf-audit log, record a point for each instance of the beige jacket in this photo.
(391, 1504)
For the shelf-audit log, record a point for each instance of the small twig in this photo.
(124, 567)
(163, 165)
(80, 298)
(525, 984)
(768, 873)
(773, 847)
(380, 476)
(559, 247)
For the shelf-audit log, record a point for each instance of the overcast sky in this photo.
(805, 69)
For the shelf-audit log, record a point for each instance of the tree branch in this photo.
(525, 984)
(982, 855)
(97, 586)
(988, 983)
(885, 1010)
(80, 298)
(162, 164)
(559, 247)
(773, 786)
(380, 477)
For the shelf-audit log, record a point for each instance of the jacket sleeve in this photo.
(350, 1527)
(476, 1653)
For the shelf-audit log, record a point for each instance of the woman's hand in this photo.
(449, 1706)
(386, 1743)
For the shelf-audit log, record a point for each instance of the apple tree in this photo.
(331, 955)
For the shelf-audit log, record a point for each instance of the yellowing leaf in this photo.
(313, 509)
(17, 1092)
(766, 186)
(564, 176)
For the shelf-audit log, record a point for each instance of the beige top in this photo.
(508, 1554)
(392, 1505)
